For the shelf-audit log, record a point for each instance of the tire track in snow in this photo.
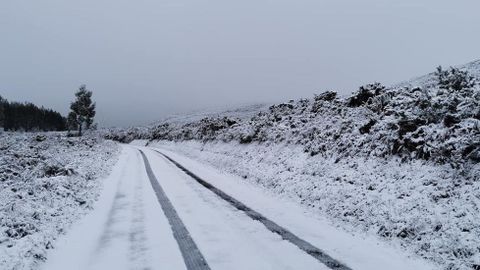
(270, 225)
(137, 236)
(117, 204)
(114, 216)
(192, 256)
(253, 233)
(126, 221)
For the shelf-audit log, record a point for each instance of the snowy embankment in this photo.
(401, 162)
(47, 181)
(420, 206)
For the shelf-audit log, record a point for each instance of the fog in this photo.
(146, 59)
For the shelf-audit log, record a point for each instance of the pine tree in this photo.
(83, 109)
(72, 123)
(15, 116)
(2, 111)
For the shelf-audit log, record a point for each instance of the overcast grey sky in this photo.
(148, 58)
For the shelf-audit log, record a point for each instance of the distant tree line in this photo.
(16, 116)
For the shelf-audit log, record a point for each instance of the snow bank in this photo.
(440, 123)
(430, 210)
(400, 161)
(46, 182)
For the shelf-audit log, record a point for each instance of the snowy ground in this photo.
(401, 163)
(47, 181)
(129, 230)
(240, 112)
(426, 209)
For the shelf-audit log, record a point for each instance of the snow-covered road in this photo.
(152, 215)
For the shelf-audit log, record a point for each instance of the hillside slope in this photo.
(401, 162)
(430, 80)
(47, 181)
(432, 122)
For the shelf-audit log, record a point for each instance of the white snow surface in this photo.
(128, 230)
(240, 112)
(414, 205)
(429, 80)
(125, 230)
(437, 122)
(47, 181)
(360, 252)
(399, 162)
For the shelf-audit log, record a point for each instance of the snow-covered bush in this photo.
(127, 135)
(46, 182)
(402, 162)
(454, 79)
(429, 209)
(365, 94)
(437, 122)
(209, 127)
(319, 100)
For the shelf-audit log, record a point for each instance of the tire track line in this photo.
(305, 246)
(108, 232)
(192, 256)
(137, 236)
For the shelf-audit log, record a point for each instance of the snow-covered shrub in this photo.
(365, 94)
(435, 123)
(47, 181)
(438, 123)
(377, 161)
(128, 135)
(209, 127)
(161, 132)
(319, 100)
(454, 79)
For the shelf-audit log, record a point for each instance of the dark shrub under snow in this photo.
(439, 123)
(400, 162)
(47, 181)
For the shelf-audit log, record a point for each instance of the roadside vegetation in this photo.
(400, 162)
(439, 123)
(47, 181)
